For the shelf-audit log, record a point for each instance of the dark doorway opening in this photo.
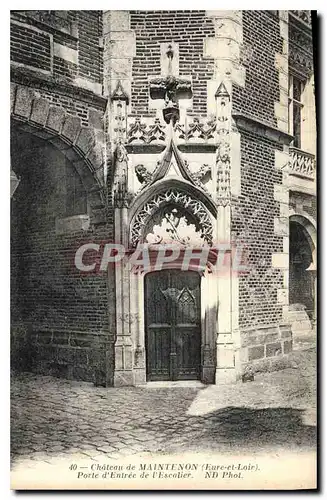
(301, 280)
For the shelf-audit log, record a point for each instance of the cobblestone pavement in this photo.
(52, 417)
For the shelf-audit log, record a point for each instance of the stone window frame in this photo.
(291, 102)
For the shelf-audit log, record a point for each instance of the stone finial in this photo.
(119, 94)
(221, 91)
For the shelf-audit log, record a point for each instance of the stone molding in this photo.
(30, 78)
(281, 64)
(251, 124)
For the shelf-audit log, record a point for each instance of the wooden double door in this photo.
(173, 325)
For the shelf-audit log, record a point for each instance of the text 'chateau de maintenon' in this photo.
(147, 127)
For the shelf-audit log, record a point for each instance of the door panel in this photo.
(173, 333)
(188, 353)
(158, 363)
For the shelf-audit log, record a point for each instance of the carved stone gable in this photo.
(172, 164)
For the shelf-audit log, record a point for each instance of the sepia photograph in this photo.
(163, 247)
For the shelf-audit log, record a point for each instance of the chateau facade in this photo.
(157, 130)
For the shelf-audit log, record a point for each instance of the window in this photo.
(76, 201)
(295, 90)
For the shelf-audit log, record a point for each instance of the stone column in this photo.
(224, 49)
(315, 299)
(208, 326)
(225, 369)
(119, 48)
(118, 52)
(137, 326)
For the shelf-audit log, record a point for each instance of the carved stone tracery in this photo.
(174, 226)
(137, 132)
(200, 131)
(156, 132)
(302, 164)
(303, 15)
(300, 47)
(176, 198)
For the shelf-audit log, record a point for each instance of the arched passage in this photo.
(302, 265)
(55, 318)
(83, 146)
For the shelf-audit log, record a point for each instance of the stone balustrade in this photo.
(303, 15)
(302, 164)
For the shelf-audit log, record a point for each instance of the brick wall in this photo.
(30, 47)
(188, 29)
(253, 223)
(65, 317)
(89, 53)
(261, 42)
(33, 36)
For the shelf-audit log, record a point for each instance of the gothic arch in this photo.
(180, 185)
(175, 192)
(82, 146)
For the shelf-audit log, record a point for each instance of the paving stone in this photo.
(106, 449)
(51, 417)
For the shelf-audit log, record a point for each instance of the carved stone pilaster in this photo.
(119, 101)
(121, 197)
(223, 163)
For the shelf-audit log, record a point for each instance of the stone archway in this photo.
(83, 146)
(43, 271)
(302, 276)
(309, 225)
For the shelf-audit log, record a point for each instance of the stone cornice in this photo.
(251, 124)
(33, 79)
(159, 148)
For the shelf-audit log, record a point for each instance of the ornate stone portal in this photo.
(170, 199)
